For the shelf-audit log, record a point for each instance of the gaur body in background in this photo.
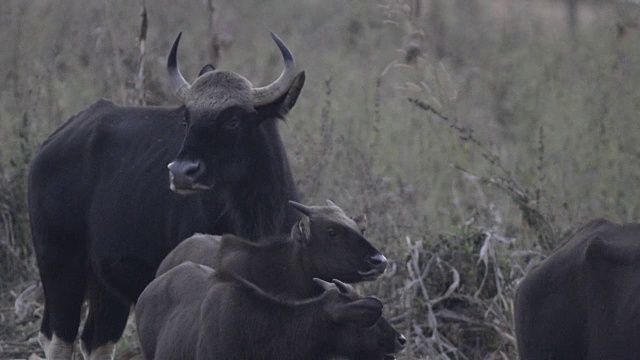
(102, 210)
(583, 301)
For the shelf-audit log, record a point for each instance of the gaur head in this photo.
(223, 114)
(366, 331)
(381, 342)
(336, 244)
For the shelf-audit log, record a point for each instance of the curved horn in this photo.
(325, 285)
(344, 288)
(306, 210)
(330, 203)
(179, 85)
(268, 94)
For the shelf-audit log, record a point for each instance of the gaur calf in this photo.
(325, 243)
(194, 312)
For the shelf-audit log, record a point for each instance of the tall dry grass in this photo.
(475, 135)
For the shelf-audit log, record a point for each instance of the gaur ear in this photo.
(281, 106)
(301, 231)
(206, 69)
(292, 96)
(361, 221)
(364, 312)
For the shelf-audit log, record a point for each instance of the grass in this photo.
(516, 133)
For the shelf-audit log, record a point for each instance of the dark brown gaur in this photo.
(194, 312)
(582, 301)
(104, 211)
(325, 243)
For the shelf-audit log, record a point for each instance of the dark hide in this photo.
(288, 267)
(199, 248)
(102, 214)
(174, 298)
(582, 301)
(326, 244)
(192, 313)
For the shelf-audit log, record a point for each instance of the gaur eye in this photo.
(331, 232)
(186, 120)
(232, 125)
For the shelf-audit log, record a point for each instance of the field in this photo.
(476, 135)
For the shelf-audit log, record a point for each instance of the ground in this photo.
(21, 310)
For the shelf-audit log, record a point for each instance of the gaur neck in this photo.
(275, 266)
(258, 208)
(310, 334)
(300, 330)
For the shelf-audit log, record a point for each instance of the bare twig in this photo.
(540, 165)
(453, 287)
(117, 64)
(28, 301)
(524, 201)
(464, 133)
(214, 45)
(221, 29)
(142, 39)
(417, 279)
(527, 203)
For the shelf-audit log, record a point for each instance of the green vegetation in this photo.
(475, 135)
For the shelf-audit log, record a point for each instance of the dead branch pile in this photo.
(459, 291)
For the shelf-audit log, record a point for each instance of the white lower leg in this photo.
(55, 348)
(84, 350)
(44, 342)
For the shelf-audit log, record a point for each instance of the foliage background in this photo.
(522, 126)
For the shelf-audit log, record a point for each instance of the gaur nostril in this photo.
(402, 340)
(192, 169)
(182, 169)
(378, 261)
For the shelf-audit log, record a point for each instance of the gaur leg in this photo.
(105, 324)
(117, 282)
(63, 275)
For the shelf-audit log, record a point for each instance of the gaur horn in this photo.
(268, 94)
(302, 208)
(344, 288)
(330, 203)
(179, 85)
(325, 285)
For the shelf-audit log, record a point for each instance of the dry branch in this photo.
(476, 295)
(214, 46)
(142, 39)
(117, 63)
(506, 183)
